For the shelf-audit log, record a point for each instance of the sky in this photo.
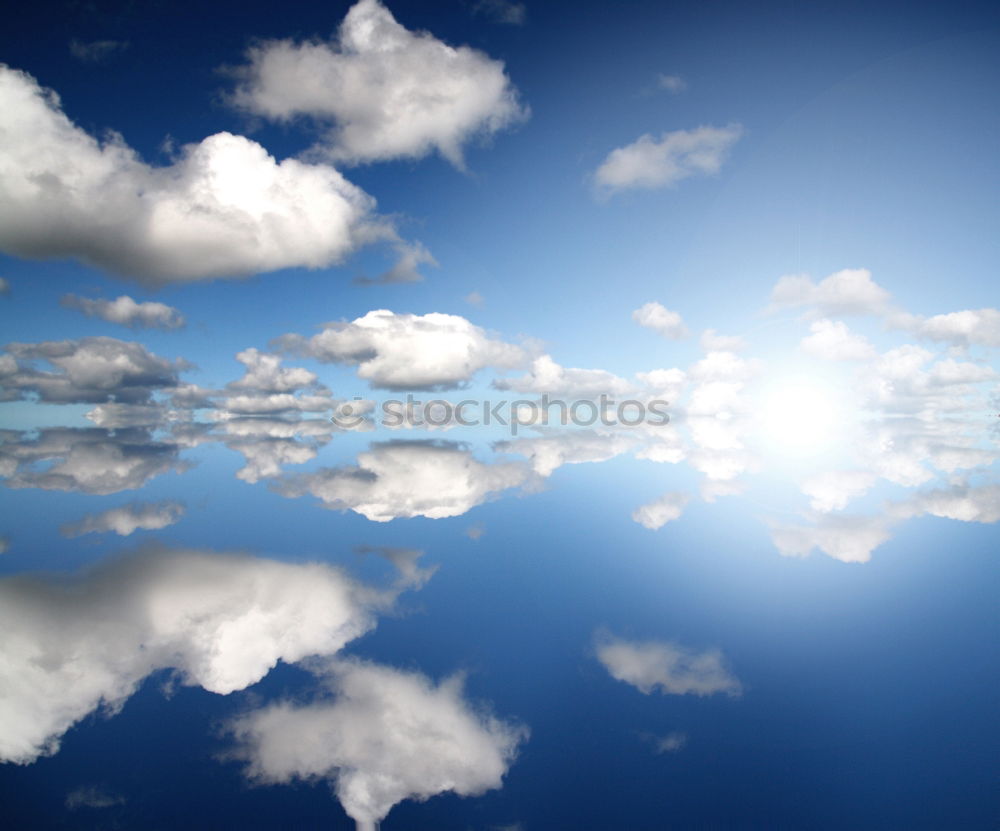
(499, 415)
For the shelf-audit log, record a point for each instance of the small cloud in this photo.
(405, 560)
(659, 512)
(4, 544)
(127, 312)
(665, 665)
(145, 516)
(501, 11)
(660, 319)
(850, 291)
(475, 532)
(651, 163)
(96, 51)
(4, 286)
(474, 298)
(407, 268)
(673, 84)
(92, 797)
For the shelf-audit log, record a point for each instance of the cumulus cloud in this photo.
(904, 380)
(90, 461)
(268, 444)
(548, 377)
(407, 479)
(966, 328)
(126, 311)
(550, 452)
(660, 319)
(651, 163)
(848, 538)
(848, 292)
(832, 491)
(665, 666)
(832, 341)
(659, 512)
(223, 208)
(378, 736)
(959, 502)
(88, 371)
(221, 620)
(406, 352)
(388, 92)
(126, 520)
(264, 373)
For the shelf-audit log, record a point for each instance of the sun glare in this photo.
(800, 416)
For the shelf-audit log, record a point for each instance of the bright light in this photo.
(800, 416)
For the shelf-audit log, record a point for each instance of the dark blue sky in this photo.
(228, 601)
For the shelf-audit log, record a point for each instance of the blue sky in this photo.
(234, 595)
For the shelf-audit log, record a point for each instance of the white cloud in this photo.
(659, 512)
(669, 667)
(648, 163)
(388, 92)
(965, 328)
(663, 383)
(265, 374)
(221, 620)
(960, 502)
(406, 351)
(223, 208)
(379, 736)
(267, 444)
(850, 539)
(833, 491)
(126, 311)
(548, 377)
(474, 298)
(831, 340)
(660, 319)
(902, 380)
(86, 460)
(406, 479)
(550, 452)
(848, 292)
(90, 371)
(126, 520)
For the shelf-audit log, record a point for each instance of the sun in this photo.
(800, 415)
